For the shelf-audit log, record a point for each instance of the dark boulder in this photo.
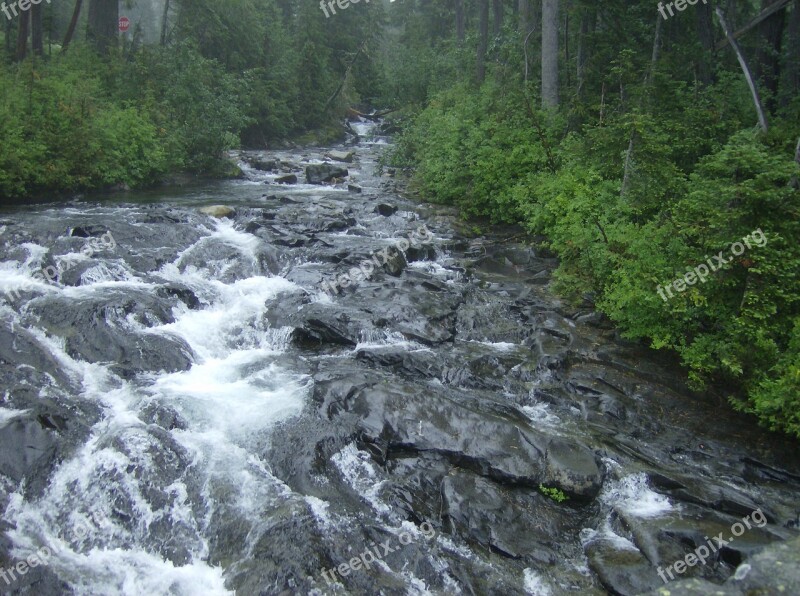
(324, 172)
(288, 179)
(386, 210)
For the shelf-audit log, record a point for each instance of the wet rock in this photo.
(37, 581)
(264, 165)
(354, 188)
(621, 568)
(396, 263)
(288, 179)
(516, 524)
(423, 252)
(696, 587)
(182, 293)
(317, 324)
(343, 156)
(97, 330)
(218, 211)
(22, 352)
(319, 173)
(386, 210)
(774, 570)
(26, 446)
(164, 416)
(573, 468)
(499, 446)
(88, 231)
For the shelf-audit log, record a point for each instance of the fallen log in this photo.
(765, 14)
(376, 116)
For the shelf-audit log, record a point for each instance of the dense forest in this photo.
(640, 142)
(639, 145)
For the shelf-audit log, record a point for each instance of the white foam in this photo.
(633, 495)
(540, 415)
(7, 415)
(320, 510)
(231, 398)
(607, 534)
(358, 471)
(379, 338)
(534, 584)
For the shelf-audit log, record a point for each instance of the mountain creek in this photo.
(189, 411)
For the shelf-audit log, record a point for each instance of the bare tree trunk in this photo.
(792, 69)
(73, 24)
(336, 93)
(37, 31)
(483, 39)
(497, 17)
(626, 177)
(524, 9)
(9, 37)
(22, 35)
(705, 32)
(165, 22)
(103, 25)
(768, 58)
(566, 40)
(525, 49)
(460, 22)
(550, 53)
(762, 119)
(588, 20)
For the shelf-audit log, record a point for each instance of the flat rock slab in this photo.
(343, 156)
(218, 211)
(492, 439)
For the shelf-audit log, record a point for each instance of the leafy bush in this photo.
(695, 186)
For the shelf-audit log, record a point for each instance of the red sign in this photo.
(124, 24)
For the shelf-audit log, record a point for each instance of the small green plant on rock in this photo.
(556, 494)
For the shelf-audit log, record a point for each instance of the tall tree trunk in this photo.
(103, 24)
(497, 17)
(524, 9)
(9, 37)
(550, 53)
(588, 21)
(165, 22)
(483, 40)
(648, 79)
(792, 69)
(37, 30)
(762, 119)
(73, 24)
(460, 22)
(566, 40)
(22, 35)
(705, 32)
(768, 58)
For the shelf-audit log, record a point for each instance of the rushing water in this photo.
(199, 416)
